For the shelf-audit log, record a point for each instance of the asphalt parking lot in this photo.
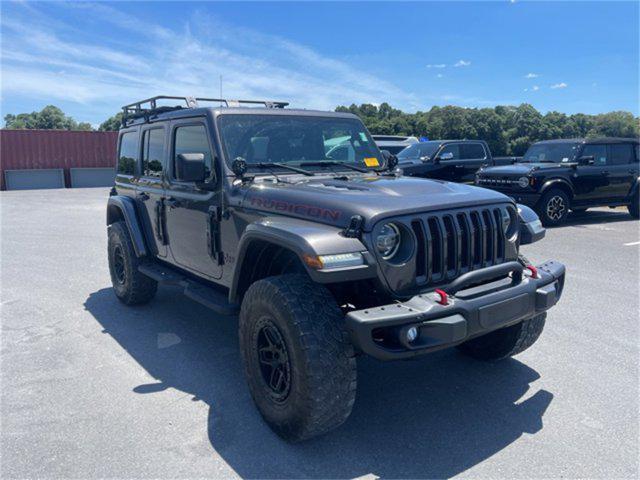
(91, 388)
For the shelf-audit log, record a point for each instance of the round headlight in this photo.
(388, 241)
(523, 182)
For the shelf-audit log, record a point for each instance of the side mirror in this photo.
(190, 167)
(587, 160)
(446, 156)
(390, 159)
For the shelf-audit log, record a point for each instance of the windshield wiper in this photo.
(321, 163)
(282, 165)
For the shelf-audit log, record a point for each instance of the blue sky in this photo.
(91, 58)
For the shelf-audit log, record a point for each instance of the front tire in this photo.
(130, 286)
(505, 342)
(297, 356)
(634, 206)
(553, 208)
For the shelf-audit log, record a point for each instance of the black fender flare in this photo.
(121, 207)
(531, 229)
(303, 237)
(557, 182)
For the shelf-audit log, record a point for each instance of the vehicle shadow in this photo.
(600, 216)
(433, 417)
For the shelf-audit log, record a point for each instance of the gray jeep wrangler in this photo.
(296, 220)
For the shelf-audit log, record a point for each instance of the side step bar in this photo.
(207, 296)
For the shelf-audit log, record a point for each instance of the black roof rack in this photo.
(147, 108)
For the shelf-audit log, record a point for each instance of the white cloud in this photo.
(462, 63)
(535, 88)
(559, 85)
(46, 62)
(531, 75)
(436, 65)
(439, 75)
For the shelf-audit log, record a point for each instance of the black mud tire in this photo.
(130, 286)
(553, 207)
(634, 206)
(315, 356)
(506, 342)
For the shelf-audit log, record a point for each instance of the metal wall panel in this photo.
(42, 149)
(92, 177)
(34, 179)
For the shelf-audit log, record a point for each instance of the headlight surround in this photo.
(388, 241)
(523, 182)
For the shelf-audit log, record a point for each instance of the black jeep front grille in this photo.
(450, 244)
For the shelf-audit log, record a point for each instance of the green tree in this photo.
(111, 124)
(49, 118)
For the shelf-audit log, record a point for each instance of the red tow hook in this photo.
(533, 270)
(444, 297)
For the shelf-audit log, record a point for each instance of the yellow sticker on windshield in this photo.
(371, 162)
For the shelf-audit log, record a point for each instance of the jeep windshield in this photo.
(298, 140)
(550, 153)
(419, 150)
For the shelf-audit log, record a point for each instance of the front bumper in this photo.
(472, 311)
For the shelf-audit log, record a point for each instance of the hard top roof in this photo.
(591, 140)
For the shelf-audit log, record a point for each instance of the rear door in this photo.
(622, 170)
(192, 211)
(150, 186)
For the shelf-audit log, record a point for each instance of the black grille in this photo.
(450, 244)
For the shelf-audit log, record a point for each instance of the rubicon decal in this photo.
(296, 208)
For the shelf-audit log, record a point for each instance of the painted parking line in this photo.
(630, 244)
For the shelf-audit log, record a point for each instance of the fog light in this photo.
(412, 334)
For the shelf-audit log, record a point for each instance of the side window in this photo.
(152, 152)
(192, 139)
(469, 151)
(128, 155)
(599, 153)
(453, 148)
(620, 154)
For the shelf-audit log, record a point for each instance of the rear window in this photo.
(128, 153)
(621, 153)
(153, 152)
(472, 151)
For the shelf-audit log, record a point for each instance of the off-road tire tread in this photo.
(506, 342)
(140, 289)
(634, 206)
(329, 358)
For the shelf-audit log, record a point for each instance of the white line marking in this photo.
(631, 244)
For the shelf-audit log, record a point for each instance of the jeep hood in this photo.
(334, 202)
(520, 168)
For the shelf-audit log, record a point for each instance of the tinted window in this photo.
(637, 153)
(417, 150)
(550, 152)
(453, 148)
(297, 139)
(620, 153)
(152, 152)
(193, 139)
(599, 153)
(128, 153)
(472, 150)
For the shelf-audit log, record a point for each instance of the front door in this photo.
(591, 182)
(150, 187)
(192, 212)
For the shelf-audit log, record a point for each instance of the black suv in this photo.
(556, 176)
(324, 251)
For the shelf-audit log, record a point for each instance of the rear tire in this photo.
(297, 356)
(634, 206)
(130, 286)
(553, 207)
(506, 342)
